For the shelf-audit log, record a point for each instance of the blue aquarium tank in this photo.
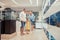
(55, 18)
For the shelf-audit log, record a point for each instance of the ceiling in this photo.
(55, 7)
(19, 4)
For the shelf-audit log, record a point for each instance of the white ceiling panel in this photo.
(7, 2)
(22, 3)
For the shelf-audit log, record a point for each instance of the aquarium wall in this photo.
(54, 19)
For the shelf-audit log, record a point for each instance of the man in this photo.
(32, 19)
(23, 21)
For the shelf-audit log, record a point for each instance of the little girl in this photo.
(27, 26)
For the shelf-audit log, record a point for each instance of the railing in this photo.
(48, 34)
(47, 4)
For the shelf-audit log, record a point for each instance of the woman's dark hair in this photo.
(24, 9)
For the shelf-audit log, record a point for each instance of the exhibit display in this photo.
(9, 22)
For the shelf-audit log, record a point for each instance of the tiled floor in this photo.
(37, 34)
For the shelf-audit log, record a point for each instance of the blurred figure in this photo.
(27, 28)
(32, 19)
(22, 16)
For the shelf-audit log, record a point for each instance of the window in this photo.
(48, 6)
(51, 2)
(36, 14)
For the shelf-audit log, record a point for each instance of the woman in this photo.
(32, 19)
(23, 21)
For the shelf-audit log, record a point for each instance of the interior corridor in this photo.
(36, 34)
(46, 19)
(32, 36)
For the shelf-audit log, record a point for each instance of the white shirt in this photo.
(22, 16)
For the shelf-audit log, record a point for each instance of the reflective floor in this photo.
(37, 34)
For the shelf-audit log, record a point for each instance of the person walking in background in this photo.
(22, 16)
(32, 19)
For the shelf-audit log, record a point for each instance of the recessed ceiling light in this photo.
(37, 2)
(30, 2)
(15, 2)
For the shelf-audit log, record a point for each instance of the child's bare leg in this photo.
(27, 31)
(32, 28)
